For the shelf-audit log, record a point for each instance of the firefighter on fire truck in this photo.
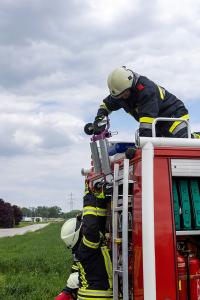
(87, 240)
(144, 100)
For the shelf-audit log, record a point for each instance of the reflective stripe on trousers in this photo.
(86, 294)
(176, 123)
(108, 264)
(179, 127)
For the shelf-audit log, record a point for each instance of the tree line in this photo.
(48, 212)
(10, 215)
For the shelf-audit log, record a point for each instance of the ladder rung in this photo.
(118, 179)
(129, 230)
(121, 196)
(121, 179)
(118, 240)
(119, 208)
(118, 271)
(120, 202)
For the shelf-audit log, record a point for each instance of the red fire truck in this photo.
(155, 207)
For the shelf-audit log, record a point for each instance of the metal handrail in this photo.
(170, 120)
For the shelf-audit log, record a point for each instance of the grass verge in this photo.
(34, 266)
(24, 224)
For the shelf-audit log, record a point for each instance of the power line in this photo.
(71, 201)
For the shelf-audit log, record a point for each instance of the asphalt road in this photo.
(14, 231)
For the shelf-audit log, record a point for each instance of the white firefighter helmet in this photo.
(119, 80)
(70, 232)
(73, 281)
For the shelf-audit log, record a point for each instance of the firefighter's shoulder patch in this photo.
(140, 87)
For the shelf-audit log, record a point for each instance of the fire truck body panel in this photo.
(165, 243)
(138, 291)
(157, 164)
(164, 225)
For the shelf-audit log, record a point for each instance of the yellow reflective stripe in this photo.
(102, 212)
(176, 123)
(108, 264)
(86, 188)
(196, 135)
(162, 92)
(89, 292)
(90, 244)
(89, 210)
(92, 297)
(82, 274)
(96, 211)
(100, 196)
(74, 267)
(146, 120)
(89, 213)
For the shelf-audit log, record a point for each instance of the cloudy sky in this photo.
(54, 61)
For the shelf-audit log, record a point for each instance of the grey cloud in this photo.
(44, 38)
(66, 46)
(54, 59)
(22, 134)
(76, 46)
(44, 178)
(33, 19)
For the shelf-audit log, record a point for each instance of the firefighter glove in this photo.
(99, 125)
(99, 118)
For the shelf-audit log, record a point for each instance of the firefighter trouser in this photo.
(86, 294)
(174, 129)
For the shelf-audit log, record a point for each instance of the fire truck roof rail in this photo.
(168, 142)
(177, 120)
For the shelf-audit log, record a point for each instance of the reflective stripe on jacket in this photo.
(146, 102)
(94, 261)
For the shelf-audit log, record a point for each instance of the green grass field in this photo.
(24, 224)
(34, 266)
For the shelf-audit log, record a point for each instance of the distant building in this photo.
(27, 219)
(32, 219)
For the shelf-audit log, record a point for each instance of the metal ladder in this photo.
(120, 268)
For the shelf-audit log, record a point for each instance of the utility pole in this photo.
(71, 199)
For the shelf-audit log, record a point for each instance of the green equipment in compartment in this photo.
(185, 204)
(194, 191)
(176, 205)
